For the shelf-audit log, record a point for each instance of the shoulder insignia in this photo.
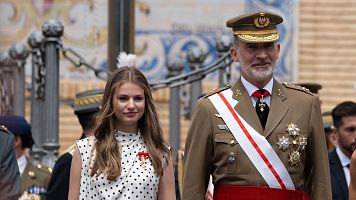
(69, 150)
(216, 91)
(4, 129)
(297, 87)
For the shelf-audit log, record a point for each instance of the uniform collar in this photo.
(22, 162)
(250, 88)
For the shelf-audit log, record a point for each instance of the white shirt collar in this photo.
(343, 158)
(22, 162)
(250, 88)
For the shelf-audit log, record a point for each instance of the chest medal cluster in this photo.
(293, 141)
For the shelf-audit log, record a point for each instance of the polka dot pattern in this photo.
(136, 181)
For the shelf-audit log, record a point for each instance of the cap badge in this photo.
(261, 21)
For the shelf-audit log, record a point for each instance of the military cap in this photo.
(312, 87)
(18, 126)
(88, 101)
(257, 27)
(327, 121)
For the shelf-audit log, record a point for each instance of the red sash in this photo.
(232, 192)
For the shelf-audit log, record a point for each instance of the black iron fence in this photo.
(184, 88)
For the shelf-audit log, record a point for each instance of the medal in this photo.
(293, 130)
(283, 143)
(303, 142)
(262, 104)
(294, 157)
(143, 156)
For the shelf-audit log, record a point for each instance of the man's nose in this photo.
(262, 53)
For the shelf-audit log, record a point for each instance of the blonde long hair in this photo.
(108, 156)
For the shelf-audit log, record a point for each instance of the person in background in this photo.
(9, 171)
(329, 129)
(34, 179)
(259, 139)
(86, 107)
(344, 117)
(127, 157)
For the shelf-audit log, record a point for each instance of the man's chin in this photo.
(262, 75)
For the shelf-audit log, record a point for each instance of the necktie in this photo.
(262, 108)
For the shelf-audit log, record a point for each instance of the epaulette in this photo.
(69, 150)
(297, 87)
(4, 129)
(216, 91)
(45, 169)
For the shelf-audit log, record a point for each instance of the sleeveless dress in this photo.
(137, 180)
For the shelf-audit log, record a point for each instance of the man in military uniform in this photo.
(9, 170)
(34, 179)
(86, 107)
(259, 139)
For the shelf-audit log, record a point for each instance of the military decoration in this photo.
(294, 157)
(262, 104)
(293, 130)
(280, 93)
(283, 143)
(295, 141)
(142, 156)
(223, 127)
(231, 158)
(28, 196)
(302, 142)
(238, 93)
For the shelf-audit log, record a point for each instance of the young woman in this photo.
(127, 158)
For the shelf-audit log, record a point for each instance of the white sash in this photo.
(254, 144)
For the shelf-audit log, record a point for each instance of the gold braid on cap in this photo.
(251, 38)
(88, 100)
(261, 32)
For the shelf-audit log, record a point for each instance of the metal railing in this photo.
(185, 89)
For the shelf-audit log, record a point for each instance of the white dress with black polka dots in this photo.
(137, 179)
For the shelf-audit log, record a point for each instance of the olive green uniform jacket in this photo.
(9, 170)
(208, 147)
(35, 176)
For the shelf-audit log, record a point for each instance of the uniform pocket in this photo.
(225, 152)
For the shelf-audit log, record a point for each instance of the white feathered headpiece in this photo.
(125, 59)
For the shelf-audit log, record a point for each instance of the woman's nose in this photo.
(131, 104)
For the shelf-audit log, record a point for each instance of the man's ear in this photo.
(18, 141)
(234, 55)
(278, 49)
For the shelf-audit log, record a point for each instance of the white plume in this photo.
(125, 59)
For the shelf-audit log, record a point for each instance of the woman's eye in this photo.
(138, 98)
(123, 98)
